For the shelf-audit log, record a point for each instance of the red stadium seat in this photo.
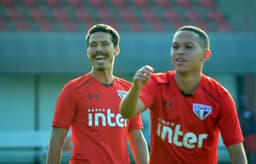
(149, 16)
(136, 27)
(106, 16)
(75, 3)
(61, 15)
(140, 3)
(69, 26)
(119, 3)
(224, 27)
(194, 16)
(37, 15)
(97, 3)
(207, 3)
(127, 16)
(7, 3)
(23, 26)
(216, 16)
(157, 26)
(52, 3)
(82, 15)
(162, 3)
(29, 3)
(172, 16)
(3, 25)
(185, 3)
(46, 26)
(14, 14)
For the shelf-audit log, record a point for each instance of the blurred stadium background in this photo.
(42, 46)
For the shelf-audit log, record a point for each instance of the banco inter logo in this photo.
(104, 117)
(174, 135)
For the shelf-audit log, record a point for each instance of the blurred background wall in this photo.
(42, 46)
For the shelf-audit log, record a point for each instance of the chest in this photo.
(194, 113)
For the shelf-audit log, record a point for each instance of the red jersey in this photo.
(185, 128)
(91, 108)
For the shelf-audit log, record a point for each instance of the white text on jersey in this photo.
(174, 135)
(97, 116)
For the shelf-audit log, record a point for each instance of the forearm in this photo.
(237, 154)
(54, 154)
(139, 149)
(129, 103)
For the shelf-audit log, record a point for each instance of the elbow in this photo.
(125, 114)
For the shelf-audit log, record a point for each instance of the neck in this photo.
(104, 77)
(188, 82)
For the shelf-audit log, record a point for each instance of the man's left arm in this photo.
(237, 154)
(139, 146)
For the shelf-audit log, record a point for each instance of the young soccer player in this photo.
(188, 109)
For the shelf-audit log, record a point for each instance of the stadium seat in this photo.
(97, 3)
(136, 27)
(127, 16)
(75, 3)
(216, 16)
(14, 14)
(29, 3)
(82, 15)
(46, 26)
(119, 3)
(69, 26)
(158, 26)
(38, 15)
(61, 15)
(172, 16)
(52, 3)
(194, 16)
(7, 3)
(162, 3)
(105, 16)
(141, 3)
(149, 16)
(3, 25)
(23, 26)
(224, 27)
(184, 3)
(207, 3)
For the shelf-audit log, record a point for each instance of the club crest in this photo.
(202, 111)
(121, 93)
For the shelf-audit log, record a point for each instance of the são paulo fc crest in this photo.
(121, 93)
(202, 111)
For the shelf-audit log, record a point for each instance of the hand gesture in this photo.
(142, 76)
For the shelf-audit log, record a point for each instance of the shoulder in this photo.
(78, 82)
(213, 86)
(163, 78)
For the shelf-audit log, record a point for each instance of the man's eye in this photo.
(93, 45)
(175, 46)
(189, 46)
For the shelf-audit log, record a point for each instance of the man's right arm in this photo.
(131, 105)
(55, 145)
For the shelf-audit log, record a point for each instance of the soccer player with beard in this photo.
(89, 105)
(188, 109)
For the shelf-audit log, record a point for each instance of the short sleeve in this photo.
(65, 108)
(136, 123)
(229, 123)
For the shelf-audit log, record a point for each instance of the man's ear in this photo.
(207, 54)
(117, 50)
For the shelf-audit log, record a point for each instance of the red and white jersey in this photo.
(185, 128)
(91, 108)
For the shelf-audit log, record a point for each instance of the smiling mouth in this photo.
(100, 59)
(180, 61)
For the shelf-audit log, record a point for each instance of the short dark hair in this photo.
(104, 28)
(203, 37)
